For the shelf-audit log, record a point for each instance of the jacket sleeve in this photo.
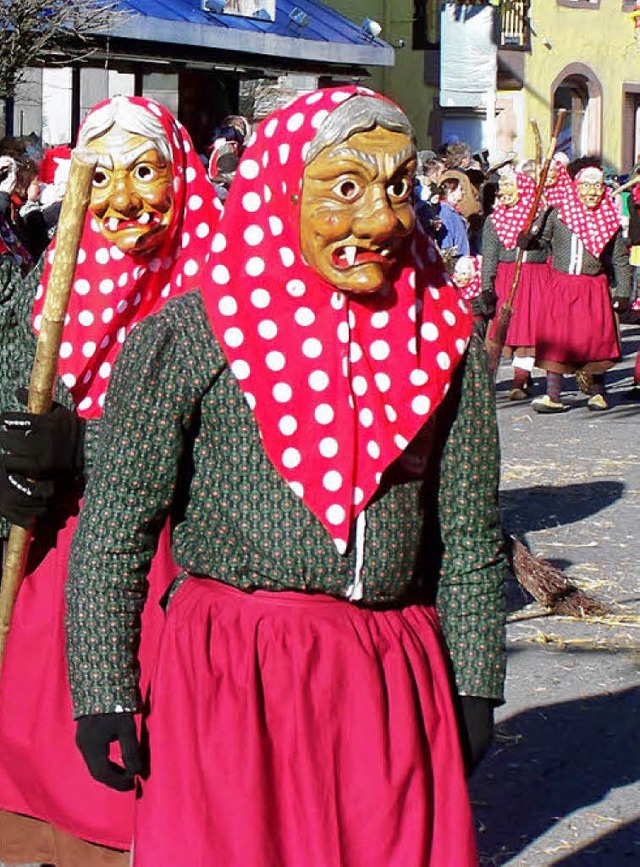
(152, 396)
(471, 597)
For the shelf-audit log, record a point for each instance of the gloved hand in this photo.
(476, 729)
(42, 446)
(23, 501)
(480, 327)
(621, 304)
(93, 736)
(525, 241)
(8, 174)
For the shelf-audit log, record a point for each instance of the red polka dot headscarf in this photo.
(555, 193)
(509, 222)
(113, 291)
(339, 384)
(467, 277)
(594, 226)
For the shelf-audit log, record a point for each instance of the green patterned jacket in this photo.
(178, 439)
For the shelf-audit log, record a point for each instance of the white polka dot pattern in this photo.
(338, 387)
(595, 227)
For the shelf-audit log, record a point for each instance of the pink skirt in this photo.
(575, 322)
(42, 773)
(289, 729)
(532, 282)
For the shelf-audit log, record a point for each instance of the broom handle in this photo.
(536, 202)
(538, 146)
(45, 364)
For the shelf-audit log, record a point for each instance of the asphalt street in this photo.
(561, 786)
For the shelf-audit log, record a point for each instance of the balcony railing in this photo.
(515, 31)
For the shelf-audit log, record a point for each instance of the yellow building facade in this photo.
(582, 55)
(585, 57)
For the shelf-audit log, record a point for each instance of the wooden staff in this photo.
(538, 147)
(627, 185)
(496, 343)
(45, 364)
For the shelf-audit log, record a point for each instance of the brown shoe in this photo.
(517, 394)
(597, 403)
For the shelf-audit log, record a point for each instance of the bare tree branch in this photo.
(31, 28)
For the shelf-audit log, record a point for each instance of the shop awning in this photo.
(327, 38)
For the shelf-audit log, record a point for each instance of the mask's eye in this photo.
(144, 172)
(400, 188)
(100, 178)
(347, 189)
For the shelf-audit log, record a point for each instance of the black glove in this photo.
(42, 446)
(525, 241)
(476, 729)
(480, 327)
(621, 305)
(93, 736)
(23, 501)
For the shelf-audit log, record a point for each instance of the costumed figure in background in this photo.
(467, 278)
(576, 329)
(148, 230)
(11, 241)
(323, 434)
(452, 235)
(558, 183)
(229, 141)
(516, 194)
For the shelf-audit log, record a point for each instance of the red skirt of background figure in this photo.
(532, 281)
(42, 773)
(575, 323)
(289, 729)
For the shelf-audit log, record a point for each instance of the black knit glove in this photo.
(42, 446)
(621, 304)
(480, 327)
(476, 729)
(94, 735)
(23, 501)
(525, 241)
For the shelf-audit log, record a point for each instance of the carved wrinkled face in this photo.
(464, 272)
(590, 193)
(508, 191)
(132, 198)
(552, 174)
(356, 212)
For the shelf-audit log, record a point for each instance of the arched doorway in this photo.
(578, 91)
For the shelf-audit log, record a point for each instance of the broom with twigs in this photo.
(45, 364)
(495, 343)
(549, 587)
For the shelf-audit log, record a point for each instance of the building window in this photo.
(426, 24)
(580, 4)
(515, 31)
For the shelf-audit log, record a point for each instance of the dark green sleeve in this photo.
(471, 599)
(153, 392)
(485, 303)
(621, 268)
(17, 341)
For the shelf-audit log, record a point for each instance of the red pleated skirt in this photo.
(289, 730)
(575, 323)
(42, 773)
(531, 285)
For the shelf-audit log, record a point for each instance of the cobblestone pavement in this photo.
(562, 783)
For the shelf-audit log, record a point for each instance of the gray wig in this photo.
(358, 114)
(131, 117)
